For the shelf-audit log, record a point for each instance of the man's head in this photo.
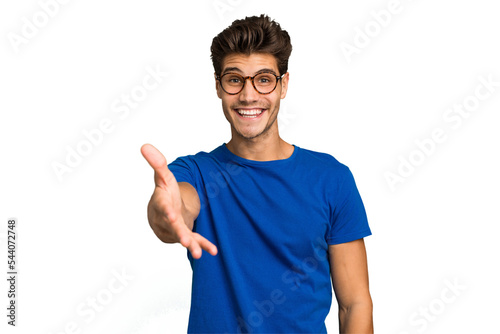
(257, 48)
(256, 34)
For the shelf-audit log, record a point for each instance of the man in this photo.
(281, 223)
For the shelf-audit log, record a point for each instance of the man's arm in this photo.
(349, 270)
(174, 207)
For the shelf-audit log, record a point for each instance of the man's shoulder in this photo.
(321, 160)
(202, 155)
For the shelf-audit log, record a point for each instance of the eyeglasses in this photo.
(264, 83)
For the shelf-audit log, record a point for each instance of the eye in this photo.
(265, 79)
(233, 79)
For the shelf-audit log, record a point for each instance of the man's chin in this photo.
(249, 136)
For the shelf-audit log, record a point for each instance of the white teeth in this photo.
(251, 112)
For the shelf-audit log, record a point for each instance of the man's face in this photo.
(261, 110)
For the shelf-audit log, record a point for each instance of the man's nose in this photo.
(249, 93)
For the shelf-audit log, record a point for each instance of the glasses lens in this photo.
(232, 83)
(265, 82)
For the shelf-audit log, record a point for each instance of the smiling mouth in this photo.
(249, 113)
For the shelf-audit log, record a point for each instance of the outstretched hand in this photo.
(165, 209)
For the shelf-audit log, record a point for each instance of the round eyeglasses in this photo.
(264, 83)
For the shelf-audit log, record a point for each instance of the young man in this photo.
(281, 223)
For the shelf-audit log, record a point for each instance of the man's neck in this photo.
(260, 149)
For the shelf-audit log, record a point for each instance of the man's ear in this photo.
(284, 85)
(217, 86)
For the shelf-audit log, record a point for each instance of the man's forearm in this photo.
(356, 319)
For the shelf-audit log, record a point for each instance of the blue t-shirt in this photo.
(272, 222)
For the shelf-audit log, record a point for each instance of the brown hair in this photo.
(255, 34)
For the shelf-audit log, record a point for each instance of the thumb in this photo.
(157, 161)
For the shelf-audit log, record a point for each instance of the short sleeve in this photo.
(182, 168)
(348, 219)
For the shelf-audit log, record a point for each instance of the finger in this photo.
(157, 161)
(183, 233)
(194, 242)
(205, 244)
(195, 250)
(192, 245)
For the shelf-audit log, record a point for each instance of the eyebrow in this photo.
(236, 69)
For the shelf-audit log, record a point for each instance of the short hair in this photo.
(255, 34)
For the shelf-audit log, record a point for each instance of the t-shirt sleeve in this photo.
(182, 168)
(347, 215)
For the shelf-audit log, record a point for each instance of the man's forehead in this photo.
(253, 62)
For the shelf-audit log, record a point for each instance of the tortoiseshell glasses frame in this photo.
(266, 87)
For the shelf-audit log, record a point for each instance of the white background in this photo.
(439, 225)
